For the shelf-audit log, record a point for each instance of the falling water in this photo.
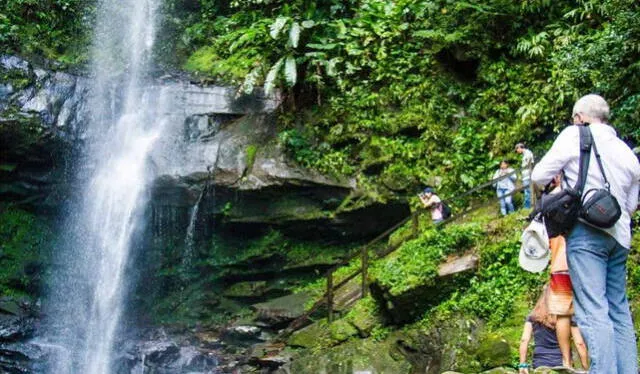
(91, 284)
(189, 240)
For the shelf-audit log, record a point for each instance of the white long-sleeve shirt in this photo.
(620, 165)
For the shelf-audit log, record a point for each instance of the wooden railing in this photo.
(363, 252)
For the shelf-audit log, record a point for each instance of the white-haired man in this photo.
(597, 257)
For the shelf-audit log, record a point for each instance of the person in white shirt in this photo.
(597, 257)
(527, 165)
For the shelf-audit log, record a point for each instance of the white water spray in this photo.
(126, 121)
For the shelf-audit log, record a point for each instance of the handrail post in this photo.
(365, 266)
(330, 296)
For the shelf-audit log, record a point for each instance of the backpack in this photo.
(446, 210)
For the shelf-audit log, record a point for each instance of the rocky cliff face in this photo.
(218, 150)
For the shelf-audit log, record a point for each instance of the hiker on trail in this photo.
(505, 186)
(432, 201)
(542, 325)
(597, 256)
(527, 165)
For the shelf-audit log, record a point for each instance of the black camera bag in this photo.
(599, 207)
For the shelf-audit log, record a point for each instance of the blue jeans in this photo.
(527, 194)
(506, 204)
(597, 265)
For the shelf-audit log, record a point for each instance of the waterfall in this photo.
(86, 303)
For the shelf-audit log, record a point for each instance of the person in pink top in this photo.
(431, 201)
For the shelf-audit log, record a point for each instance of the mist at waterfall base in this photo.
(85, 305)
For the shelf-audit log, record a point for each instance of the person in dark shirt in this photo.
(542, 326)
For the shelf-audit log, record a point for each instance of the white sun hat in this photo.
(534, 251)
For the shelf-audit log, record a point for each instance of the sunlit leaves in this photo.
(290, 72)
(277, 26)
(270, 81)
(294, 34)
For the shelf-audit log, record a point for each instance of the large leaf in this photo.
(294, 34)
(277, 26)
(270, 81)
(290, 72)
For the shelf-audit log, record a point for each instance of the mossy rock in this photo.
(500, 370)
(246, 289)
(364, 316)
(311, 336)
(494, 351)
(351, 357)
(342, 330)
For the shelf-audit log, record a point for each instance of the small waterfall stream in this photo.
(189, 241)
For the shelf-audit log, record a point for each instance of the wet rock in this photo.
(14, 328)
(13, 63)
(243, 334)
(165, 357)
(269, 355)
(283, 309)
(160, 353)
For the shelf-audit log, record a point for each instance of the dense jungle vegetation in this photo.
(398, 93)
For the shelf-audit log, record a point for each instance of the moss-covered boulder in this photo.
(351, 357)
(364, 316)
(342, 330)
(314, 335)
(494, 351)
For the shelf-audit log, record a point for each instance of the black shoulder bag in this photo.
(599, 207)
(561, 210)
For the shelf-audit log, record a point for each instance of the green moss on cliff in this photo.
(25, 242)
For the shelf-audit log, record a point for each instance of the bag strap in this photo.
(595, 150)
(586, 141)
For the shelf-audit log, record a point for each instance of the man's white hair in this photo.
(592, 105)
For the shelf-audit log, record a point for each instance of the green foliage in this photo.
(416, 262)
(54, 29)
(403, 93)
(497, 285)
(25, 242)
